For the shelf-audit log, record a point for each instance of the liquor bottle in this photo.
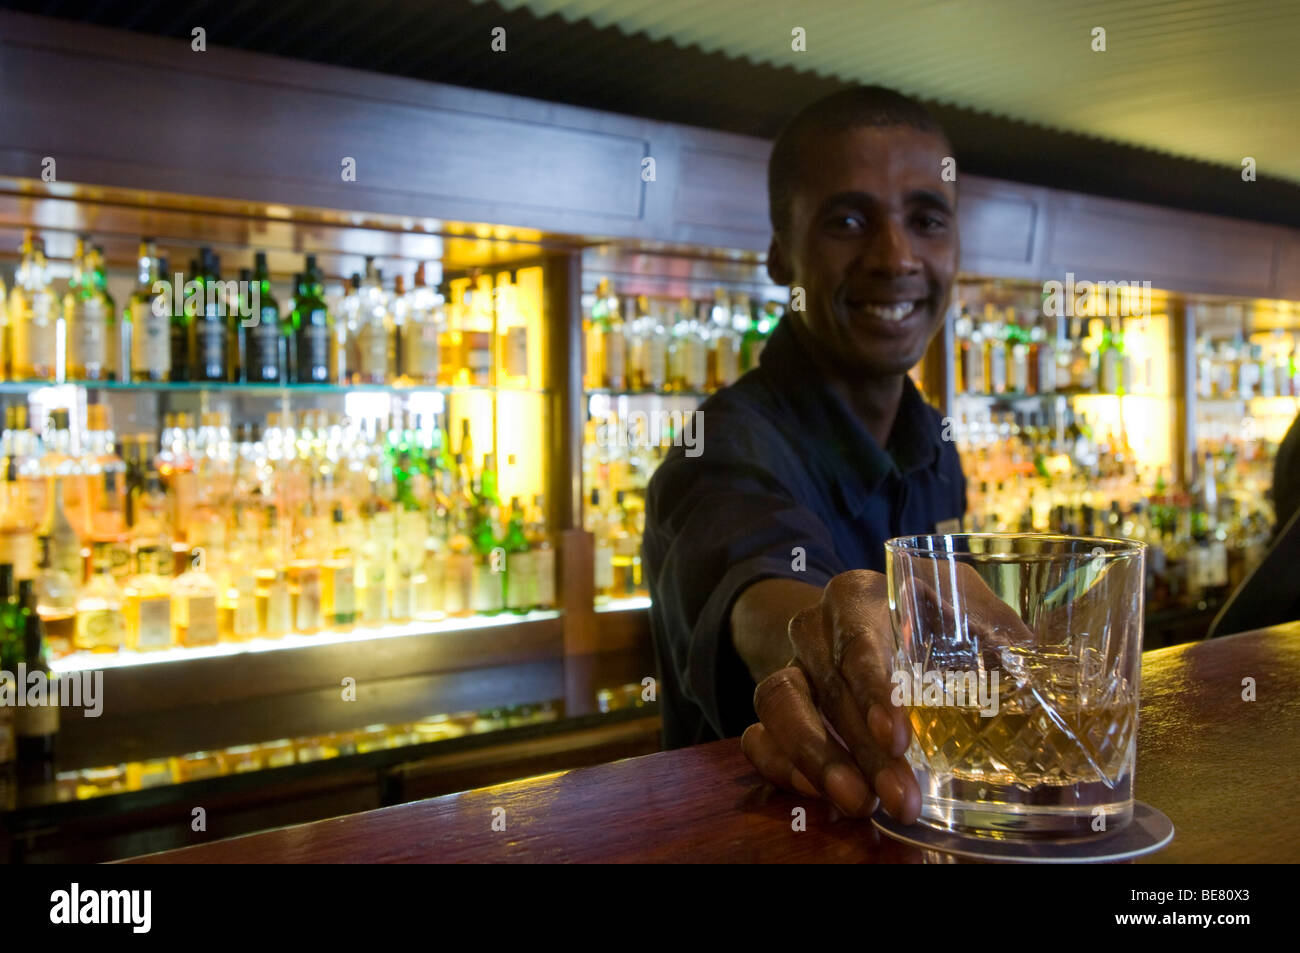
(266, 358)
(458, 567)
(604, 551)
(478, 333)
(147, 323)
(64, 540)
(147, 605)
(33, 317)
(16, 523)
(180, 324)
(1043, 364)
(237, 588)
(36, 727)
(371, 574)
(425, 325)
(995, 351)
(512, 336)
(274, 615)
(100, 625)
(79, 298)
(375, 330)
(1106, 363)
(1017, 355)
(753, 332)
(320, 346)
(56, 603)
(210, 329)
(626, 557)
(95, 340)
(543, 552)
(194, 604)
(723, 363)
(489, 576)
(596, 336)
(521, 566)
(338, 591)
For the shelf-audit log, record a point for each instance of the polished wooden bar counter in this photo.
(1223, 768)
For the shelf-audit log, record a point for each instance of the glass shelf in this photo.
(257, 390)
(90, 661)
(631, 603)
(606, 392)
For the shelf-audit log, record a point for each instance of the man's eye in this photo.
(846, 223)
(931, 223)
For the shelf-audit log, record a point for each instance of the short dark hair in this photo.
(846, 109)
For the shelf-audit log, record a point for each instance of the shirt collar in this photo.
(835, 438)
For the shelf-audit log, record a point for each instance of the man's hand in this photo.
(841, 669)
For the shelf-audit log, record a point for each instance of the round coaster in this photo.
(1149, 830)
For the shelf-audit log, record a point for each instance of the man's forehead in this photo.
(872, 156)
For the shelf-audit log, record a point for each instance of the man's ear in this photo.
(778, 267)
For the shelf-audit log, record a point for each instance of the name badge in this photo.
(945, 527)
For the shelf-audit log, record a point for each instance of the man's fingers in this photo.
(767, 757)
(785, 707)
(831, 694)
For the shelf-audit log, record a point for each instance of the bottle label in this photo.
(374, 352)
(457, 582)
(155, 623)
(314, 350)
(210, 348)
(41, 341)
(150, 340)
(264, 361)
(88, 343)
(544, 575)
(489, 592)
(345, 593)
(727, 360)
(420, 349)
(517, 351)
(604, 567)
(37, 721)
(19, 550)
(308, 617)
(657, 363)
(197, 615)
(521, 580)
(376, 596)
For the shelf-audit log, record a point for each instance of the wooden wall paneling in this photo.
(1003, 227)
(121, 109)
(720, 194)
(1105, 239)
(1287, 285)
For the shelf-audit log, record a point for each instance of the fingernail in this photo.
(846, 788)
(889, 790)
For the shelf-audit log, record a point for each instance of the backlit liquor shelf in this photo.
(273, 441)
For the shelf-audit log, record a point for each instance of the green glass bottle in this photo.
(312, 329)
(178, 329)
(265, 342)
(211, 324)
(521, 583)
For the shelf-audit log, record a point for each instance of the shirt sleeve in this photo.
(713, 529)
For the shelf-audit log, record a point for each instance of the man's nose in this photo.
(889, 251)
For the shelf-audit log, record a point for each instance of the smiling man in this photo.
(812, 461)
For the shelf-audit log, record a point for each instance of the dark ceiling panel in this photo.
(447, 41)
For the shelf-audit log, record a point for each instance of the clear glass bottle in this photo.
(34, 317)
(512, 335)
(194, 604)
(56, 604)
(375, 330)
(100, 624)
(723, 362)
(426, 318)
(147, 322)
(147, 600)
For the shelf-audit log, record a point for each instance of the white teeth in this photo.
(895, 312)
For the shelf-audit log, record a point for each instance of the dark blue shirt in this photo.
(780, 463)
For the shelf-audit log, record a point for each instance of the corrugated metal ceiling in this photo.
(1215, 80)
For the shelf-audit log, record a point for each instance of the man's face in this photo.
(873, 242)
